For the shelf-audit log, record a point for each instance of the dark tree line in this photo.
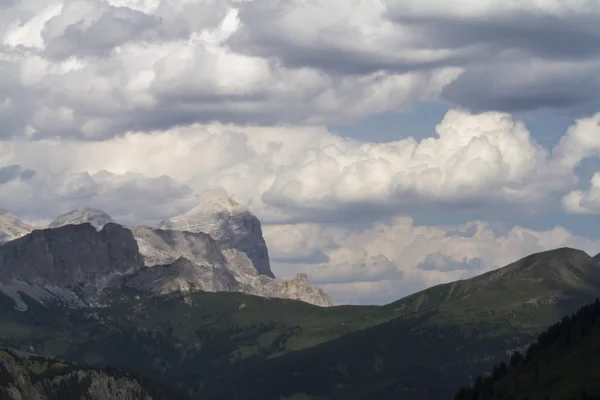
(558, 339)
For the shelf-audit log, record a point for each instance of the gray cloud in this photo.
(552, 37)
(12, 172)
(277, 62)
(495, 49)
(440, 262)
(129, 198)
(113, 27)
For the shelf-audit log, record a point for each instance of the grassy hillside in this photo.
(564, 363)
(234, 346)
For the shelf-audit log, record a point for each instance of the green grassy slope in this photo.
(229, 345)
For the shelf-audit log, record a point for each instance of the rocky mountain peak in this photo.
(11, 227)
(97, 218)
(219, 203)
(232, 226)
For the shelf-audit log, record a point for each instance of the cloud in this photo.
(86, 28)
(14, 172)
(97, 69)
(509, 57)
(581, 141)
(129, 198)
(439, 262)
(584, 201)
(94, 70)
(390, 260)
(309, 174)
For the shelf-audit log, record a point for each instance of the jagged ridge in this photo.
(72, 263)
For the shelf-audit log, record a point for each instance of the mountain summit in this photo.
(11, 227)
(97, 218)
(232, 225)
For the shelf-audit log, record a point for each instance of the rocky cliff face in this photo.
(297, 288)
(67, 263)
(186, 261)
(183, 275)
(12, 227)
(72, 255)
(83, 252)
(230, 224)
(97, 218)
(18, 381)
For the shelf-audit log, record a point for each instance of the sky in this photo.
(385, 145)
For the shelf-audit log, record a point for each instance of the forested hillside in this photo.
(564, 363)
(41, 378)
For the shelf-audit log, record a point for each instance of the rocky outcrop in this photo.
(68, 262)
(184, 276)
(187, 261)
(297, 288)
(71, 263)
(69, 382)
(97, 218)
(160, 247)
(230, 224)
(11, 227)
(72, 255)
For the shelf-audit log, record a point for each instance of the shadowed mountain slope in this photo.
(234, 346)
(564, 363)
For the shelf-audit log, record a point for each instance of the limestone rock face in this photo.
(182, 261)
(161, 247)
(230, 224)
(97, 218)
(297, 288)
(67, 263)
(12, 227)
(88, 383)
(184, 276)
(83, 252)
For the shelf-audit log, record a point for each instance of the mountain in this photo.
(443, 334)
(229, 345)
(72, 264)
(12, 227)
(230, 224)
(227, 263)
(67, 263)
(97, 218)
(40, 378)
(187, 261)
(564, 363)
